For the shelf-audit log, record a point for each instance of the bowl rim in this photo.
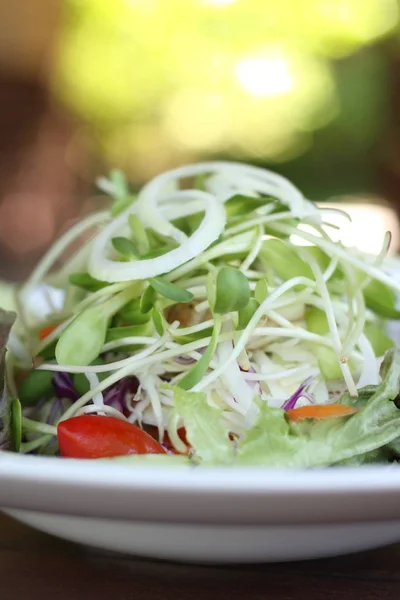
(89, 473)
(228, 496)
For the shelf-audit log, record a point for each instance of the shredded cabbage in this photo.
(194, 307)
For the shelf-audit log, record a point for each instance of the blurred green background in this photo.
(309, 88)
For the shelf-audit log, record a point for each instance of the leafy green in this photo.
(147, 300)
(261, 291)
(16, 424)
(159, 241)
(81, 382)
(381, 300)
(232, 290)
(246, 313)
(158, 320)
(122, 198)
(283, 259)
(170, 290)
(204, 429)
(131, 314)
(197, 372)
(139, 234)
(86, 282)
(6, 322)
(81, 342)
(117, 333)
(328, 361)
(36, 386)
(379, 341)
(274, 441)
(240, 205)
(125, 247)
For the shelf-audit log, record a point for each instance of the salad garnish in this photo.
(208, 319)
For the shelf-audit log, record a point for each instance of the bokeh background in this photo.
(310, 88)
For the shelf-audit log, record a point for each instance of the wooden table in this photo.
(35, 565)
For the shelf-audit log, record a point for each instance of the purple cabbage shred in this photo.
(64, 387)
(290, 403)
(114, 396)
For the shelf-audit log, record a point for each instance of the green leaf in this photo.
(125, 247)
(246, 313)
(381, 300)
(117, 333)
(379, 341)
(328, 361)
(158, 320)
(240, 205)
(232, 290)
(191, 337)
(261, 291)
(81, 382)
(211, 289)
(122, 198)
(36, 386)
(197, 372)
(273, 441)
(86, 282)
(147, 300)
(322, 259)
(82, 341)
(317, 321)
(156, 253)
(120, 184)
(200, 181)
(49, 351)
(16, 424)
(170, 290)
(131, 314)
(188, 224)
(283, 259)
(329, 364)
(6, 322)
(139, 234)
(204, 429)
(159, 241)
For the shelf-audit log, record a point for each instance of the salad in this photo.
(211, 319)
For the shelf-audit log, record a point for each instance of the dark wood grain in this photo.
(35, 565)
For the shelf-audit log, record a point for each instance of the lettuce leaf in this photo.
(6, 321)
(205, 431)
(276, 442)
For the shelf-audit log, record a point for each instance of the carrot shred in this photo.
(46, 331)
(320, 411)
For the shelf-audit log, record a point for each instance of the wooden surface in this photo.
(34, 565)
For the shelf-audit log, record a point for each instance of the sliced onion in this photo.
(370, 372)
(233, 379)
(109, 270)
(155, 206)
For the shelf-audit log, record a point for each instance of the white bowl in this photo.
(205, 514)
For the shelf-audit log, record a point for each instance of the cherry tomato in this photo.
(98, 436)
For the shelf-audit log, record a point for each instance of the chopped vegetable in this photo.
(103, 437)
(320, 411)
(215, 311)
(46, 331)
(6, 322)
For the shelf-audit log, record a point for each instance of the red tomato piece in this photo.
(90, 436)
(153, 431)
